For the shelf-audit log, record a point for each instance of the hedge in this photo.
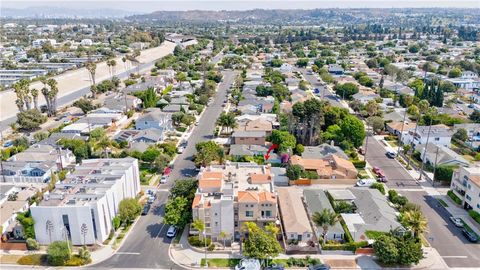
(33, 259)
(475, 215)
(359, 164)
(346, 246)
(196, 242)
(454, 197)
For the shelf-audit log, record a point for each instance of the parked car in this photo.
(8, 144)
(146, 208)
(248, 264)
(377, 171)
(391, 154)
(472, 237)
(319, 267)
(172, 231)
(457, 221)
(164, 179)
(365, 182)
(180, 149)
(382, 179)
(274, 267)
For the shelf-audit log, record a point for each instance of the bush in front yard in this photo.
(379, 186)
(32, 244)
(32, 259)
(197, 242)
(454, 197)
(475, 215)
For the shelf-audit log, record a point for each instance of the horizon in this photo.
(152, 5)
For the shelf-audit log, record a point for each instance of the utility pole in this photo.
(426, 147)
(435, 167)
(401, 132)
(366, 144)
(1, 160)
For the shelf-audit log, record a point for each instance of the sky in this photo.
(154, 5)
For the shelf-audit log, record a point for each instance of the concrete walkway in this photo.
(459, 212)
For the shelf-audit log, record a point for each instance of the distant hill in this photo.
(62, 13)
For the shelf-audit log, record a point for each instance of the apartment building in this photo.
(83, 205)
(466, 185)
(436, 134)
(231, 194)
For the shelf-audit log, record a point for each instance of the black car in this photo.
(472, 237)
(146, 208)
(319, 267)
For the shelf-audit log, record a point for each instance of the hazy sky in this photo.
(152, 5)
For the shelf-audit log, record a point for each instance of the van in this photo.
(365, 182)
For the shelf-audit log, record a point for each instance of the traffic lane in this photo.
(325, 94)
(146, 243)
(449, 241)
(397, 175)
(184, 165)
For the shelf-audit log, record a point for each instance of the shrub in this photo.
(32, 259)
(379, 186)
(444, 173)
(197, 242)
(454, 197)
(359, 164)
(400, 200)
(58, 253)
(75, 261)
(392, 194)
(116, 223)
(32, 244)
(475, 215)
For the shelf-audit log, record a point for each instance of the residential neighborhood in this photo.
(189, 138)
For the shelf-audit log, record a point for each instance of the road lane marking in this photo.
(456, 257)
(127, 253)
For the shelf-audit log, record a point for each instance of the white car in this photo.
(457, 222)
(180, 149)
(365, 182)
(164, 179)
(248, 264)
(172, 231)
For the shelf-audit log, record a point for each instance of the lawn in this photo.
(442, 202)
(374, 234)
(9, 259)
(454, 197)
(220, 262)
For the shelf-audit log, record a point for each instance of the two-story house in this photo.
(466, 185)
(436, 134)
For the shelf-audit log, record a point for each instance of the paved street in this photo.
(397, 176)
(147, 246)
(75, 84)
(324, 92)
(454, 248)
(443, 235)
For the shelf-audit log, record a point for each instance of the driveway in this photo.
(147, 246)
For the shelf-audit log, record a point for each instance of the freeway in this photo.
(455, 250)
(76, 84)
(147, 246)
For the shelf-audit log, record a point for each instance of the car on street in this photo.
(472, 237)
(382, 179)
(377, 171)
(365, 182)
(319, 267)
(172, 231)
(145, 210)
(248, 264)
(180, 149)
(8, 144)
(391, 154)
(274, 267)
(164, 179)
(457, 221)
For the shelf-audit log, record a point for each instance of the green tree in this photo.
(259, 244)
(283, 139)
(40, 136)
(58, 253)
(461, 135)
(410, 251)
(184, 188)
(325, 219)
(475, 116)
(150, 154)
(444, 173)
(149, 97)
(377, 123)
(415, 221)
(84, 104)
(385, 248)
(30, 119)
(302, 62)
(27, 223)
(353, 130)
(177, 212)
(207, 152)
(455, 73)
(128, 210)
(294, 172)
(227, 120)
(346, 90)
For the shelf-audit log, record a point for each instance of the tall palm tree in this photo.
(27, 99)
(113, 63)
(34, 92)
(52, 95)
(45, 91)
(92, 69)
(325, 219)
(227, 120)
(109, 67)
(124, 60)
(19, 91)
(200, 227)
(415, 221)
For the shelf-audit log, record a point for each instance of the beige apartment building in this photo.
(231, 194)
(466, 185)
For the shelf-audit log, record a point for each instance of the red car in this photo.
(377, 171)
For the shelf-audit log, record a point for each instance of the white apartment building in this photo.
(84, 204)
(466, 185)
(39, 42)
(229, 195)
(439, 135)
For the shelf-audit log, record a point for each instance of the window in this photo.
(249, 213)
(437, 139)
(236, 223)
(468, 197)
(268, 213)
(251, 205)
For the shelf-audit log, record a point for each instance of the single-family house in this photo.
(441, 155)
(249, 137)
(322, 151)
(155, 119)
(331, 167)
(436, 134)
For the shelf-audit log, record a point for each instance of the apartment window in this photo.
(236, 223)
(216, 223)
(207, 225)
(268, 213)
(94, 224)
(437, 139)
(478, 205)
(249, 213)
(251, 205)
(468, 197)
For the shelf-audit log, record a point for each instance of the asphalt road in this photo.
(454, 248)
(442, 234)
(147, 246)
(324, 94)
(397, 176)
(70, 98)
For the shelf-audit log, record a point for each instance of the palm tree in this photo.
(34, 93)
(223, 235)
(109, 67)
(415, 221)
(325, 219)
(113, 63)
(19, 91)
(227, 120)
(92, 69)
(124, 60)
(52, 96)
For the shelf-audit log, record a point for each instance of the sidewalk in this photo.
(459, 212)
